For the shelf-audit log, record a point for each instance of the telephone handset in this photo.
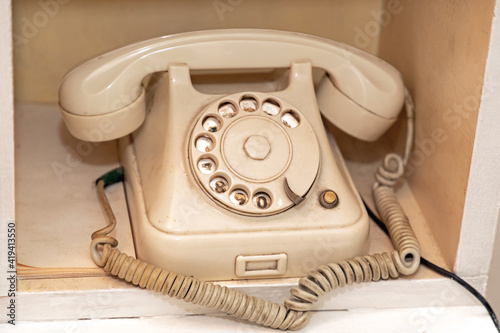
(242, 185)
(359, 85)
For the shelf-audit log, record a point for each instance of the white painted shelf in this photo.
(414, 320)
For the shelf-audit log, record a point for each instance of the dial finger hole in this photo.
(211, 124)
(238, 197)
(290, 119)
(207, 166)
(248, 104)
(271, 107)
(227, 110)
(204, 143)
(219, 184)
(262, 200)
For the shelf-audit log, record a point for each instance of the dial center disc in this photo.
(256, 148)
(243, 147)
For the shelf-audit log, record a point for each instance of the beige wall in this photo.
(49, 41)
(440, 47)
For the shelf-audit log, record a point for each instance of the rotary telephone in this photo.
(244, 184)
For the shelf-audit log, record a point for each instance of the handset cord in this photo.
(444, 272)
(295, 311)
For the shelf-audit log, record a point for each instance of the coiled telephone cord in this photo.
(295, 312)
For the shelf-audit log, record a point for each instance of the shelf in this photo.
(431, 319)
(57, 210)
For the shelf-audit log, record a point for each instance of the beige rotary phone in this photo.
(246, 184)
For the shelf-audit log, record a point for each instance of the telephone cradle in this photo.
(244, 184)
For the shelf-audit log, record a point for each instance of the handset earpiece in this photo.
(351, 117)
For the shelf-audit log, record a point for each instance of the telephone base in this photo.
(216, 257)
(181, 223)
